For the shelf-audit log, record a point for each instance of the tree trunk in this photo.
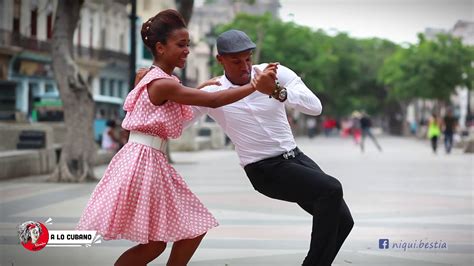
(78, 150)
(395, 111)
(258, 49)
(185, 8)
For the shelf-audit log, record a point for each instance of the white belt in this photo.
(148, 140)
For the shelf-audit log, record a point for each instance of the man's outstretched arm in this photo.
(300, 97)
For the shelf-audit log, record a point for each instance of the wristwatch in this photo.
(280, 93)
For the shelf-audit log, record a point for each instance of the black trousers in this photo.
(434, 143)
(299, 179)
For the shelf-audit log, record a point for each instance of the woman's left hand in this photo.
(209, 82)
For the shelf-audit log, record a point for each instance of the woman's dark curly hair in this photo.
(159, 27)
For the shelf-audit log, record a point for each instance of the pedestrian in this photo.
(356, 130)
(449, 127)
(434, 131)
(329, 125)
(275, 166)
(141, 197)
(109, 140)
(365, 125)
(311, 126)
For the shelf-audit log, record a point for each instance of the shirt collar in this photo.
(226, 82)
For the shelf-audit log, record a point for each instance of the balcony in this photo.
(14, 41)
(100, 54)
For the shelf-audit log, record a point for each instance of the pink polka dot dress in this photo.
(141, 197)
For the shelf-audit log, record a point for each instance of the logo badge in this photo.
(384, 243)
(34, 236)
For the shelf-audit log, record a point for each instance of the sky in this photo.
(395, 20)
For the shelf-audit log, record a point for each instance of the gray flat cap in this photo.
(234, 41)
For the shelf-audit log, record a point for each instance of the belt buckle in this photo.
(288, 155)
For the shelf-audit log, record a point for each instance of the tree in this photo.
(341, 70)
(78, 150)
(185, 8)
(431, 69)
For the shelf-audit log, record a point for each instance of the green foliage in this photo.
(358, 74)
(431, 69)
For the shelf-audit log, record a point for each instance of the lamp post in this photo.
(133, 44)
(469, 88)
(211, 40)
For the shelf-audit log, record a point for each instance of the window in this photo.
(49, 26)
(34, 88)
(102, 86)
(120, 89)
(102, 38)
(16, 16)
(122, 43)
(146, 5)
(49, 88)
(91, 32)
(111, 87)
(34, 21)
(146, 53)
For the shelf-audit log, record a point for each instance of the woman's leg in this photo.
(434, 143)
(183, 250)
(141, 254)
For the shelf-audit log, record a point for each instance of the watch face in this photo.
(282, 94)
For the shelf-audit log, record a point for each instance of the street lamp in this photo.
(211, 40)
(133, 43)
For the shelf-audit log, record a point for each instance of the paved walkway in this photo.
(405, 194)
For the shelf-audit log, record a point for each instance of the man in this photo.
(259, 129)
(449, 127)
(365, 125)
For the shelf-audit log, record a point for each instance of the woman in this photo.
(141, 196)
(434, 131)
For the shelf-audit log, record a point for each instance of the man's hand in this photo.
(271, 67)
(212, 81)
(264, 81)
(140, 74)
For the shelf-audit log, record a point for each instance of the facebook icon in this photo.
(383, 243)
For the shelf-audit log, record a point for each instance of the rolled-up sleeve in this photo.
(300, 97)
(198, 112)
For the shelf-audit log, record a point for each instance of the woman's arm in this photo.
(162, 90)
(141, 72)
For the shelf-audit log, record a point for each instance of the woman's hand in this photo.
(140, 74)
(212, 81)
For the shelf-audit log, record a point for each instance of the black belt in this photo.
(288, 155)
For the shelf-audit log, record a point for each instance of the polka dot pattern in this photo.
(141, 197)
(165, 121)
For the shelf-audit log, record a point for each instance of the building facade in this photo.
(101, 47)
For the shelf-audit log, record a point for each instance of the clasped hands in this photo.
(264, 81)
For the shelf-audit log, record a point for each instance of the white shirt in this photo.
(107, 142)
(257, 125)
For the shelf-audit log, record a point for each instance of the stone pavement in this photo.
(405, 194)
